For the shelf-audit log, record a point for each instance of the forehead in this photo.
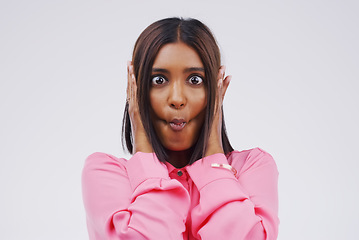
(177, 55)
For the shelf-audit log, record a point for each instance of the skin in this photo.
(177, 92)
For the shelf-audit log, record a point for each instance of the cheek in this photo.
(156, 102)
(198, 101)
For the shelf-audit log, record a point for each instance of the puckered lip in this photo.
(177, 121)
(177, 124)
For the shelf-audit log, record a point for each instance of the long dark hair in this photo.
(171, 30)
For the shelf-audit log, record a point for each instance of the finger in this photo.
(128, 90)
(221, 72)
(218, 103)
(133, 87)
(131, 95)
(220, 80)
(226, 82)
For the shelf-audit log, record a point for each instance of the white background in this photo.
(294, 93)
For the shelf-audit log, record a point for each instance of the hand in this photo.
(139, 136)
(215, 137)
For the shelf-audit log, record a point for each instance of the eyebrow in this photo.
(191, 69)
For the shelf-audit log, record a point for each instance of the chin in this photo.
(177, 147)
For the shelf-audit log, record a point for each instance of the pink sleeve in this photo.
(132, 199)
(230, 208)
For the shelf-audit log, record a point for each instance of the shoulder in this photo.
(104, 181)
(100, 163)
(101, 159)
(252, 158)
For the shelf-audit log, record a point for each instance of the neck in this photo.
(179, 159)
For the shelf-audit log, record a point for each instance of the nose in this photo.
(177, 98)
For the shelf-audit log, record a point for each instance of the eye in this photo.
(195, 80)
(158, 80)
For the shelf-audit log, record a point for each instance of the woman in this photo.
(184, 180)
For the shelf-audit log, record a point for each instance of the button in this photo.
(179, 173)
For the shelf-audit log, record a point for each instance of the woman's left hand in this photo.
(215, 138)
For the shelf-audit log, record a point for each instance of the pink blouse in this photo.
(142, 198)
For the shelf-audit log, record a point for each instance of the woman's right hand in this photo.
(215, 138)
(139, 136)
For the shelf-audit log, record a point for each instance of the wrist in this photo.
(214, 145)
(214, 150)
(210, 152)
(144, 147)
(141, 143)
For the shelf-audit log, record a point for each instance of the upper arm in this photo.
(259, 178)
(132, 199)
(106, 189)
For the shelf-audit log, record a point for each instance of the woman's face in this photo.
(178, 96)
